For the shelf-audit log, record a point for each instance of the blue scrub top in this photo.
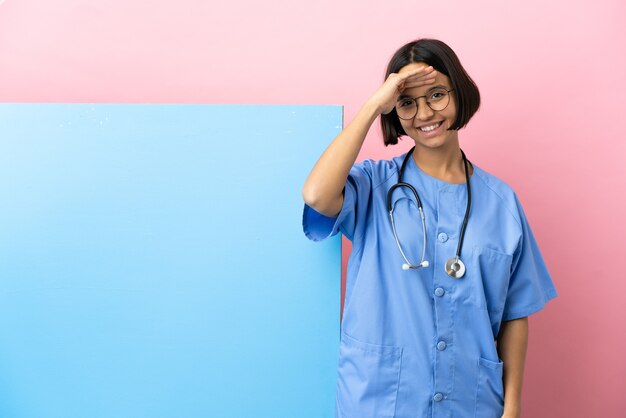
(418, 343)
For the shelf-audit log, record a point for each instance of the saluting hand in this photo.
(387, 95)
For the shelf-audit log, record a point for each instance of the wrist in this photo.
(512, 411)
(372, 107)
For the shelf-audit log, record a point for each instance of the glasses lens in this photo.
(406, 109)
(438, 99)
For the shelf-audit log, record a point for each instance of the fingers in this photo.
(419, 73)
(411, 84)
(422, 78)
(396, 83)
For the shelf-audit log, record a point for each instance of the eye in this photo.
(405, 103)
(438, 94)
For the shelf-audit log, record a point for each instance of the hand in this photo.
(387, 95)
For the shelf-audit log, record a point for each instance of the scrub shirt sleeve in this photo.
(350, 220)
(530, 284)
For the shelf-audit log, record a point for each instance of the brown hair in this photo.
(443, 59)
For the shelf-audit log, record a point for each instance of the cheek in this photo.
(451, 109)
(405, 124)
(450, 114)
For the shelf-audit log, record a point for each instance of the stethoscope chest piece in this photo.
(455, 268)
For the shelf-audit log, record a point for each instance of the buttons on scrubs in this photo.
(438, 396)
(439, 291)
(442, 237)
(441, 345)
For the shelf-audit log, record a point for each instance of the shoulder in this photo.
(378, 171)
(500, 190)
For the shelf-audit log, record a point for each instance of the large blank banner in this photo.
(152, 262)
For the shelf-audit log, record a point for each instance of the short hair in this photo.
(443, 59)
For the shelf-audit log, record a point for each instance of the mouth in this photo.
(432, 129)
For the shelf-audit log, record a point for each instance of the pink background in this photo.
(552, 76)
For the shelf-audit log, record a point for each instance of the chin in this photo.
(430, 142)
(434, 142)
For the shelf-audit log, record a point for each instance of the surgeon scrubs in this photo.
(419, 343)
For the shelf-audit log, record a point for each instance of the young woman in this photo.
(444, 268)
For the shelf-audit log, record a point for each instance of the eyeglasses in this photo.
(436, 99)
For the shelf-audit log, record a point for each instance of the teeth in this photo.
(430, 128)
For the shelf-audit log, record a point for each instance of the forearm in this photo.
(512, 343)
(323, 187)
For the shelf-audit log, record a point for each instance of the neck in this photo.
(443, 163)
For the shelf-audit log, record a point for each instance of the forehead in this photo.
(440, 78)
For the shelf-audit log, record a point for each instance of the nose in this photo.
(424, 111)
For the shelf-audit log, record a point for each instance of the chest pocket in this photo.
(490, 271)
(368, 379)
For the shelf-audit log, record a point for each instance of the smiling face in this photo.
(426, 117)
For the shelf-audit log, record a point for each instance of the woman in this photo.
(435, 314)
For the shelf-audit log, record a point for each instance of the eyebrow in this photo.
(406, 96)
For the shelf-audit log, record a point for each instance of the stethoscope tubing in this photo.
(454, 266)
(467, 208)
(408, 264)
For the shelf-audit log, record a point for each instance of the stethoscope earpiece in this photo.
(407, 266)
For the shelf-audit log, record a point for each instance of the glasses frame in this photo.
(414, 99)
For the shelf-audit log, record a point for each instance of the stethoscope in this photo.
(454, 266)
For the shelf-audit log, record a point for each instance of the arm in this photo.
(323, 187)
(512, 342)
